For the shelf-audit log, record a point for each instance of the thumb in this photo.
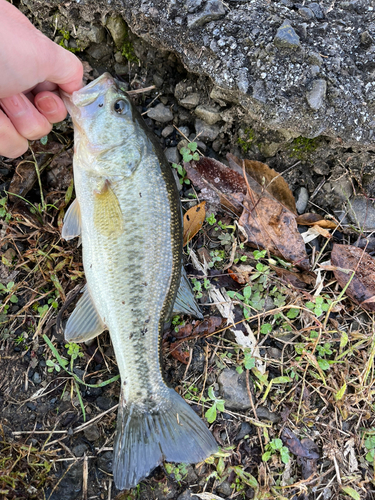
(58, 65)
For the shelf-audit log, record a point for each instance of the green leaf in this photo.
(266, 456)
(14, 299)
(211, 414)
(249, 362)
(211, 393)
(277, 443)
(247, 292)
(323, 363)
(351, 492)
(192, 146)
(220, 404)
(281, 380)
(284, 454)
(44, 140)
(292, 313)
(266, 328)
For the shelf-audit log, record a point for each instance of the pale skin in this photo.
(32, 70)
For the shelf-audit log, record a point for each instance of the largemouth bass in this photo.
(128, 215)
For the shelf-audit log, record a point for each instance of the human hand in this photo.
(33, 68)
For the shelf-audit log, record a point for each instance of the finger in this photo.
(12, 144)
(25, 117)
(51, 106)
(60, 66)
(41, 87)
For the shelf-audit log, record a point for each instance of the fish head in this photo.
(108, 137)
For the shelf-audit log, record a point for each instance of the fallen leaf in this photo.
(193, 221)
(272, 181)
(313, 232)
(241, 274)
(298, 447)
(207, 496)
(179, 352)
(362, 286)
(298, 280)
(315, 220)
(208, 326)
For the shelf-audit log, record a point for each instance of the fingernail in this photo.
(14, 106)
(47, 105)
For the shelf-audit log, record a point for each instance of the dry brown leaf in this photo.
(270, 180)
(193, 221)
(315, 220)
(362, 287)
(179, 352)
(298, 280)
(267, 222)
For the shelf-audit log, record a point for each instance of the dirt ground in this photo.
(288, 392)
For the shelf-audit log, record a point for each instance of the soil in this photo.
(44, 433)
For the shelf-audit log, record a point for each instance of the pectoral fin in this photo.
(108, 218)
(185, 301)
(72, 222)
(84, 323)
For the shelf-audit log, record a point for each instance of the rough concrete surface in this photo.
(303, 69)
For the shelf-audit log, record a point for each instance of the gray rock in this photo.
(192, 5)
(105, 461)
(366, 39)
(245, 429)
(317, 10)
(264, 413)
(37, 378)
(315, 59)
(104, 403)
(302, 199)
(99, 51)
(92, 432)
(286, 37)
(315, 97)
(343, 187)
(224, 489)
(168, 130)
(187, 495)
(172, 155)
(80, 449)
(362, 213)
(117, 27)
(306, 13)
(214, 9)
(206, 132)
(274, 353)
(190, 101)
(158, 80)
(94, 34)
(208, 114)
(160, 113)
(233, 389)
(184, 130)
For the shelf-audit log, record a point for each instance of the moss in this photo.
(302, 146)
(127, 49)
(247, 140)
(65, 40)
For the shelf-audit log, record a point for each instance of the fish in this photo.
(128, 217)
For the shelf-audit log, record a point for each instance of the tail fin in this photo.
(171, 431)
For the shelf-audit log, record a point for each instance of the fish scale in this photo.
(128, 214)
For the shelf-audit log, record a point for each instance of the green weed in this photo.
(275, 447)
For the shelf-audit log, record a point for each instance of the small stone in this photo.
(168, 130)
(264, 413)
(302, 199)
(245, 429)
(208, 114)
(224, 489)
(274, 353)
(286, 37)
(99, 51)
(343, 187)
(104, 403)
(92, 433)
(172, 155)
(315, 97)
(31, 406)
(314, 70)
(37, 378)
(233, 390)
(117, 27)
(190, 101)
(306, 13)
(315, 58)
(214, 9)
(119, 58)
(192, 5)
(366, 39)
(187, 495)
(80, 449)
(121, 69)
(362, 213)
(9, 255)
(105, 461)
(158, 80)
(317, 10)
(160, 113)
(206, 132)
(184, 130)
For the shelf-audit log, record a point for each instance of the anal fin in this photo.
(84, 323)
(72, 222)
(185, 302)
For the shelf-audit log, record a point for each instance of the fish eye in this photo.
(120, 106)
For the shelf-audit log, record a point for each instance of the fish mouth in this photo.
(88, 94)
